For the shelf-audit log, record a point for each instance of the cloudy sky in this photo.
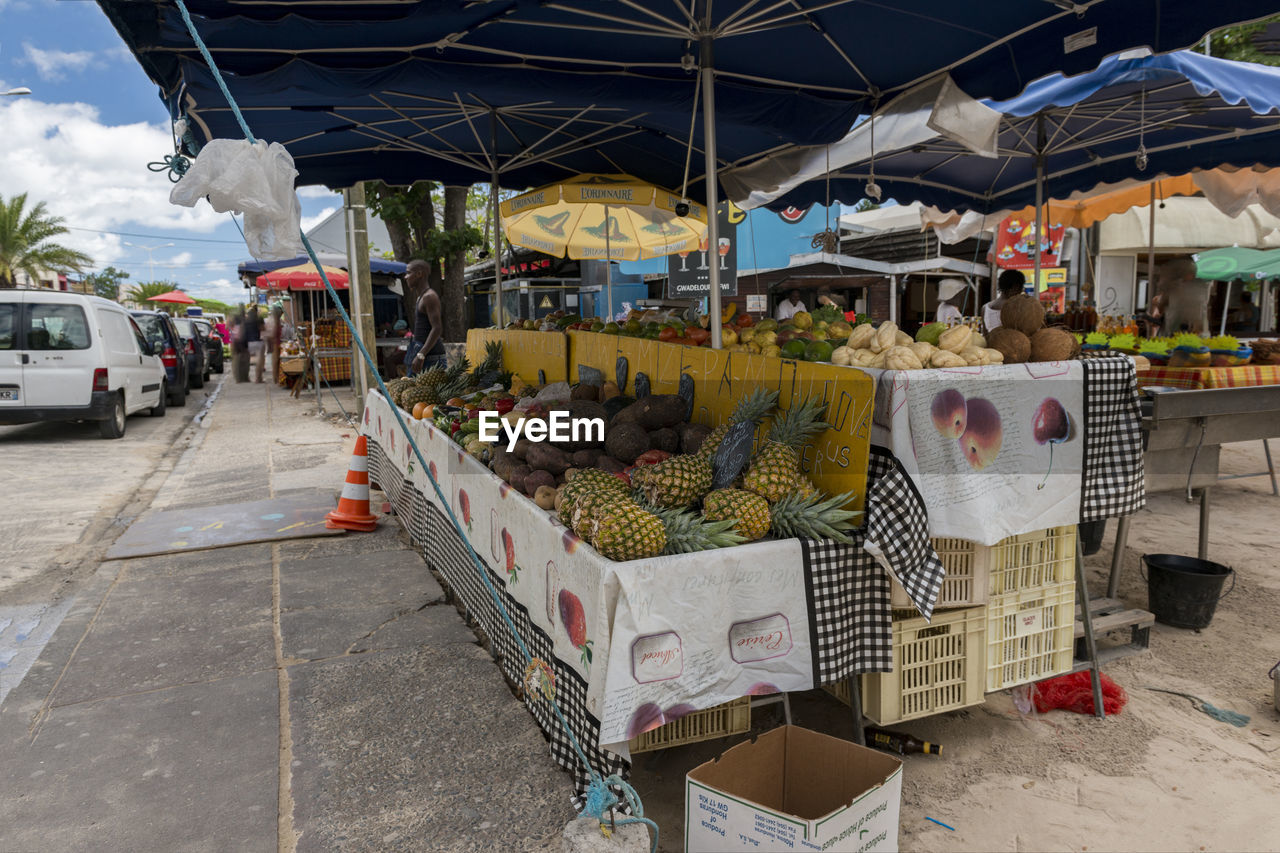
(81, 143)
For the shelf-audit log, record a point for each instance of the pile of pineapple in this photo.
(443, 383)
(670, 507)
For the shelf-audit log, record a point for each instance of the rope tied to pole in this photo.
(600, 801)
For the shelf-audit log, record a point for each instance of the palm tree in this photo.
(144, 290)
(25, 246)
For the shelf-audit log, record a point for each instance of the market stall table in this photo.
(635, 644)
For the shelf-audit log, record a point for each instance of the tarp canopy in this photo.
(1234, 262)
(403, 91)
(1134, 117)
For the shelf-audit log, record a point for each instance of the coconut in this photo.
(1012, 344)
(1052, 345)
(1024, 313)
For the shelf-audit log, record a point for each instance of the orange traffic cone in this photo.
(353, 507)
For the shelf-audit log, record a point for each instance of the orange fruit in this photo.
(419, 410)
(455, 401)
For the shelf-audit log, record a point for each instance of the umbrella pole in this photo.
(1151, 246)
(1040, 143)
(497, 222)
(709, 166)
(608, 266)
(1222, 327)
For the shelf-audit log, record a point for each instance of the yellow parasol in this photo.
(598, 217)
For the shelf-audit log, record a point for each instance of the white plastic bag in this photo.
(255, 179)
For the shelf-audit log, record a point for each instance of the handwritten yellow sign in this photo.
(523, 353)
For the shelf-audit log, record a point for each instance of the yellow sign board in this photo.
(524, 353)
(836, 461)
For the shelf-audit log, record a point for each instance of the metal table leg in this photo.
(1117, 558)
(1203, 550)
(1271, 468)
(855, 703)
(1090, 642)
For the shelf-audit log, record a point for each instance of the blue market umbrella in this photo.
(757, 59)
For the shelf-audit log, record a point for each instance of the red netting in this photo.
(1074, 692)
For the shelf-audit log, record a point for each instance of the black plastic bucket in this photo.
(1184, 591)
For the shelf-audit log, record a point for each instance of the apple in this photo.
(983, 433)
(949, 413)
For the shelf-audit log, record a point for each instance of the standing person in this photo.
(427, 349)
(274, 328)
(239, 348)
(790, 306)
(254, 342)
(1247, 316)
(1009, 284)
(1187, 298)
(951, 295)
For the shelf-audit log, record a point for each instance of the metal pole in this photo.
(1040, 143)
(1226, 301)
(893, 299)
(709, 165)
(497, 221)
(608, 267)
(1151, 246)
(315, 356)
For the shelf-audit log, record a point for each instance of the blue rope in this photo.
(175, 164)
(599, 795)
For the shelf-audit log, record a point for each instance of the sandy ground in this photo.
(1159, 776)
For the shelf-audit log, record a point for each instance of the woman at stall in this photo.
(951, 295)
(1009, 284)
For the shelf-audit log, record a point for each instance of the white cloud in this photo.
(229, 290)
(182, 259)
(309, 222)
(92, 174)
(54, 64)
(214, 265)
(316, 192)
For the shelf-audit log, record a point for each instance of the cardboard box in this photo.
(794, 789)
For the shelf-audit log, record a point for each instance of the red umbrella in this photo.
(302, 277)
(173, 296)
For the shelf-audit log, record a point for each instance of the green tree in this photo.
(25, 245)
(106, 283)
(1238, 43)
(443, 242)
(144, 290)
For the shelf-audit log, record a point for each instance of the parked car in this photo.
(212, 344)
(193, 341)
(69, 357)
(158, 328)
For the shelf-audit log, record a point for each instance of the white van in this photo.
(68, 357)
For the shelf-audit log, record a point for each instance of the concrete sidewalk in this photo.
(312, 695)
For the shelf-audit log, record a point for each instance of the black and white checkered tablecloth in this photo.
(1113, 469)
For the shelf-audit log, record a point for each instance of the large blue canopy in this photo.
(402, 91)
(377, 266)
(1182, 110)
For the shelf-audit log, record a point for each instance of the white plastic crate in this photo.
(1031, 561)
(936, 667)
(965, 583)
(731, 718)
(1030, 635)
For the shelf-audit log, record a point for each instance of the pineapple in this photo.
(626, 531)
(456, 380)
(688, 532)
(431, 381)
(489, 372)
(584, 482)
(413, 395)
(776, 466)
(396, 387)
(587, 508)
(748, 511)
(678, 481)
(805, 487)
(814, 517)
(754, 408)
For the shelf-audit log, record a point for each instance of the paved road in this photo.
(66, 490)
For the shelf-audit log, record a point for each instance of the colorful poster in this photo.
(1016, 245)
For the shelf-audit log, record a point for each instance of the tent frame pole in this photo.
(1040, 145)
(1151, 246)
(497, 221)
(608, 268)
(707, 73)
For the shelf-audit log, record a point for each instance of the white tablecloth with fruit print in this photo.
(634, 645)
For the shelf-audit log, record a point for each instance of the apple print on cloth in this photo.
(1051, 425)
(574, 619)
